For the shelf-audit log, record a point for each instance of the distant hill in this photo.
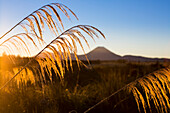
(143, 59)
(103, 54)
(100, 53)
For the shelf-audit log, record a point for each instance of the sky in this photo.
(131, 27)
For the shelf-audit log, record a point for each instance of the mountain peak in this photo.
(101, 53)
(100, 48)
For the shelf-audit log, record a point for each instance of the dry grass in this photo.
(34, 27)
(151, 91)
(58, 51)
(153, 88)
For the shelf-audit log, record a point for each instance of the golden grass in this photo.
(57, 54)
(35, 21)
(153, 88)
(34, 27)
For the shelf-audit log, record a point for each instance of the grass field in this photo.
(81, 89)
(47, 80)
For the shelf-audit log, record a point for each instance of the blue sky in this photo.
(136, 27)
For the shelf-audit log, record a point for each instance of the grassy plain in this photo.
(82, 88)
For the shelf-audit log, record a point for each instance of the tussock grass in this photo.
(33, 31)
(153, 88)
(150, 92)
(55, 55)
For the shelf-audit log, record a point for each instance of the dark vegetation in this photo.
(46, 82)
(82, 88)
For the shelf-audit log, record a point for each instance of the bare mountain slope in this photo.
(100, 53)
(103, 54)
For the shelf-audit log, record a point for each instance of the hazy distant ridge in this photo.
(103, 54)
